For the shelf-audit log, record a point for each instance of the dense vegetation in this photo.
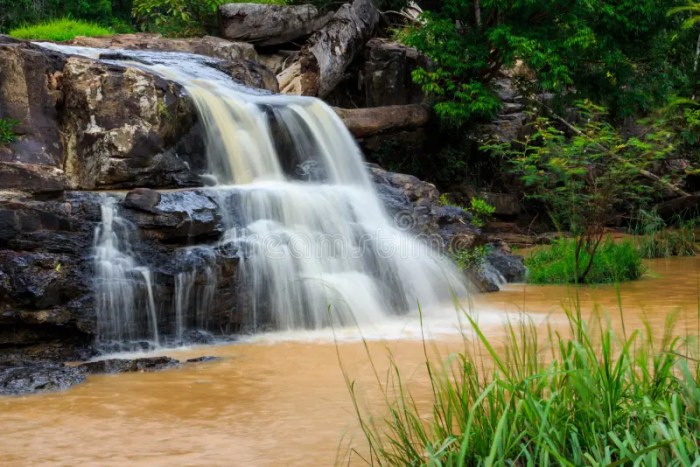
(626, 55)
(585, 396)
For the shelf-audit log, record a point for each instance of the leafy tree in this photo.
(623, 53)
(584, 180)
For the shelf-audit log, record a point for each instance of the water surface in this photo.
(280, 399)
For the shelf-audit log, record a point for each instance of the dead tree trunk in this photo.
(265, 24)
(374, 120)
(323, 60)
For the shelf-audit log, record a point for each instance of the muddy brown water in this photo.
(281, 399)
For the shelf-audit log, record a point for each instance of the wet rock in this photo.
(204, 359)
(508, 265)
(198, 337)
(34, 377)
(178, 215)
(208, 45)
(415, 206)
(118, 365)
(144, 199)
(250, 73)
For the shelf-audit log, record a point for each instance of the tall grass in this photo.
(656, 240)
(613, 262)
(586, 397)
(60, 30)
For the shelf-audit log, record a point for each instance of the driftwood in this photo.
(374, 120)
(324, 58)
(264, 24)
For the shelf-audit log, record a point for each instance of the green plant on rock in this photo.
(481, 210)
(7, 130)
(585, 180)
(470, 258)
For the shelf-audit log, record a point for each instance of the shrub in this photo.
(613, 262)
(60, 30)
(594, 398)
(7, 130)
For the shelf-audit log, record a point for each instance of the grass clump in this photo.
(60, 30)
(595, 398)
(613, 262)
(657, 240)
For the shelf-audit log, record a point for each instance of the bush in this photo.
(60, 30)
(594, 398)
(613, 262)
(7, 130)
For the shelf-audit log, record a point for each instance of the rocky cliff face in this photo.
(88, 129)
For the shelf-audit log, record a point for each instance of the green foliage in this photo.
(588, 397)
(60, 30)
(656, 240)
(556, 264)
(469, 258)
(585, 180)
(182, 18)
(622, 53)
(7, 130)
(16, 13)
(481, 210)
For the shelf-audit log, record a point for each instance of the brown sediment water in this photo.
(282, 400)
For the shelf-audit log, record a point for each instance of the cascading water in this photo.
(316, 246)
(122, 306)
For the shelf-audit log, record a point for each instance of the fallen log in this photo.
(374, 120)
(326, 55)
(265, 24)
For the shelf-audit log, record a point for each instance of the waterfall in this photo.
(124, 291)
(316, 246)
